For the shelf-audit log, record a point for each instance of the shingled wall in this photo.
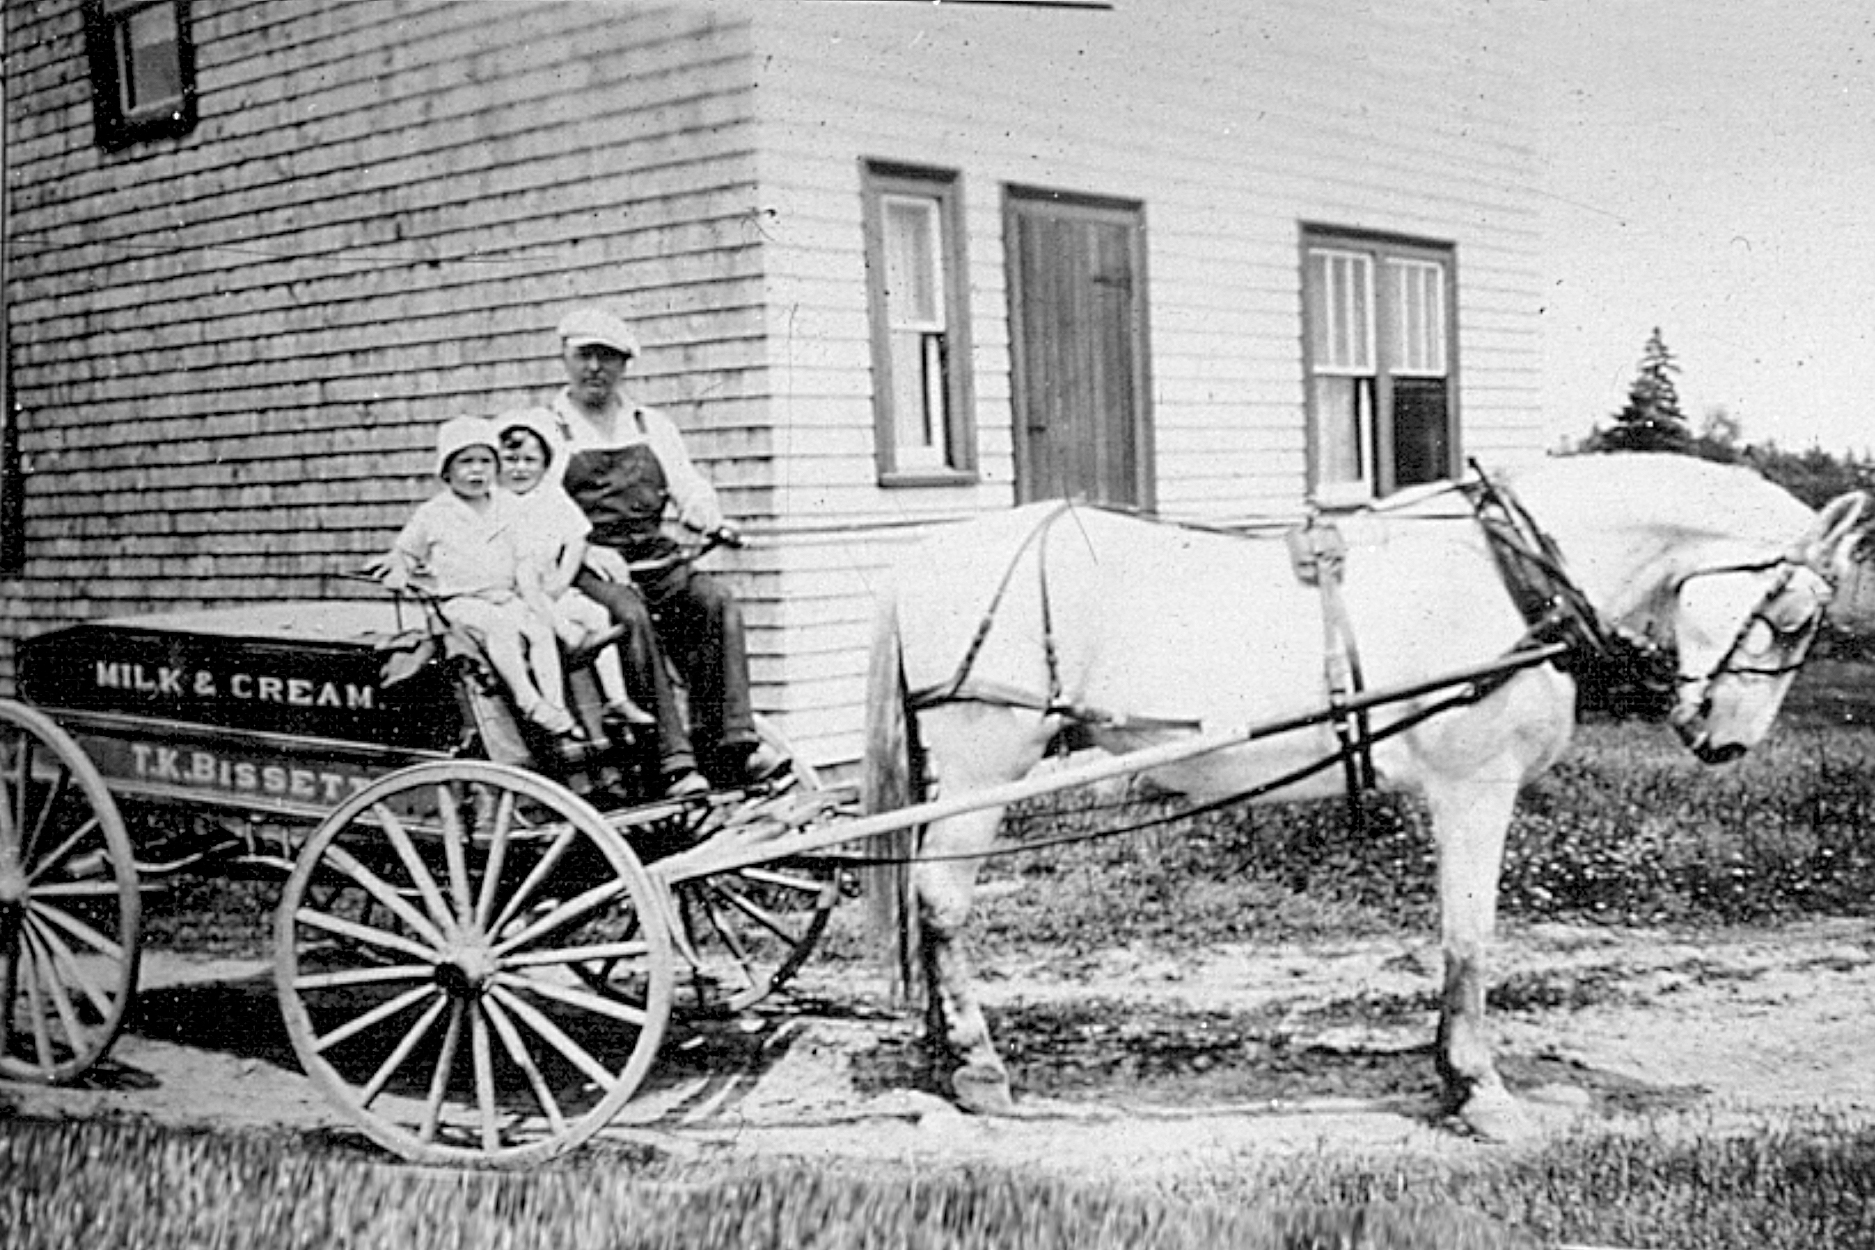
(229, 350)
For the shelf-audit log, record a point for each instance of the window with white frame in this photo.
(142, 69)
(1379, 358)
(921, 355)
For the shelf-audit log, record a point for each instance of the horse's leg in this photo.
(1489, 754)
(1469, 822)
(970, 748)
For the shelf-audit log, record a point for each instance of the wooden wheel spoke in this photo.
(784, 880)
(77, 889)
(539, 874)
(713, 917)
(497, 858)
(36, 1013)
(585, 1000)
(566, 956)
(484, 1063)
(383, 1011)
(364, 933)
(454, 855)
(512, 1042)
(65, 959)
(414, 867)
(363, 976)
(30, 840)
(445, 1069)
(63, 851)
(76, 928)
(382, 891)
(769, 920)
(369, 1092)
(75, 1031)
(563, 914)
(555, 1037)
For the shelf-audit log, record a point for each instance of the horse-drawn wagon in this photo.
(477, 957)
(458, 934)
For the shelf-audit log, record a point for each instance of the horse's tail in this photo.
(891, 782)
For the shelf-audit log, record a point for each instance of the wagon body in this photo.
(275, 709)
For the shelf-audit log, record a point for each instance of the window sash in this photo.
(1419, 318)
(1378, 338)
(147, 40)
(921, 395)
(1342, 329)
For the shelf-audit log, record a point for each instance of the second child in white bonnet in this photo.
(461, 546)
(552, 533)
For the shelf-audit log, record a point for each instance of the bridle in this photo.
(1793, 643)
(1556, 608)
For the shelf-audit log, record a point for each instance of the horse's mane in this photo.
(1684, 493)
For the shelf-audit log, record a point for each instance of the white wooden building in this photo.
(892, 262)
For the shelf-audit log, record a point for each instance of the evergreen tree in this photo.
(1652, 420)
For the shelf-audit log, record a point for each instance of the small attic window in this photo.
(142, 69)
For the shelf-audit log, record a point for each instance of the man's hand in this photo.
(727, 535)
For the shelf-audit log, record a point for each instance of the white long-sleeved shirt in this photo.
(624, 424)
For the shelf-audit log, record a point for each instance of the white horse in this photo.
(1001, 631)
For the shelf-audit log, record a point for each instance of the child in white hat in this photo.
(462, 545)
(551, 531)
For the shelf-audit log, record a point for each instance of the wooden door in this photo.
(1077, 295)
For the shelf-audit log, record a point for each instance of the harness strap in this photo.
(1319, 554)
(952, 690)
(1534, 573)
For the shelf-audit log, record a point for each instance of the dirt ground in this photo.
(1141, 1066)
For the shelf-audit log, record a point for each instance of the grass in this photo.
(1801, 1184)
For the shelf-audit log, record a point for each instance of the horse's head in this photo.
(1742, 630)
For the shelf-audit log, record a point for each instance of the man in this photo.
(626, 467)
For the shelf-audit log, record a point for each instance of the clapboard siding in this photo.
(231, 349)
(1410, 125)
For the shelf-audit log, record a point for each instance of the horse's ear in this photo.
(1830, 542)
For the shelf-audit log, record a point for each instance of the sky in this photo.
(1711, 172)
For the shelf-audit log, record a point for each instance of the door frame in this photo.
(1019, 198)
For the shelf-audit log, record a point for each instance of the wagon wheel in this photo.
(69, 906)
(743, 934)
(750, 930)
(426, 951)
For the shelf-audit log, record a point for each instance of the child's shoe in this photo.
(624, 720)
(574, 749)
(685, 783)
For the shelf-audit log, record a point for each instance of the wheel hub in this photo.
(467, 972)
(12, 883)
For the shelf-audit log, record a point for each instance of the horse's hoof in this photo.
(983, 1090)
(1496, 1117)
